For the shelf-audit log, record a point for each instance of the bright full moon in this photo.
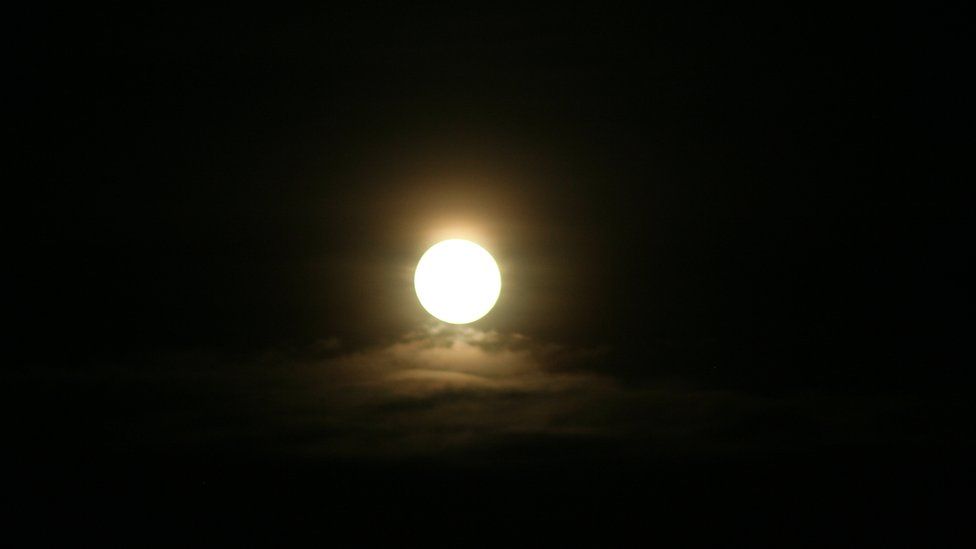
(457, 281)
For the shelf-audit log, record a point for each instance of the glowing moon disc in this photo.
(457, 281)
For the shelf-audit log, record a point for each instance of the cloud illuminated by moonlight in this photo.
(448, 386)
(444, 391)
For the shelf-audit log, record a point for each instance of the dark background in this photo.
(768, 202)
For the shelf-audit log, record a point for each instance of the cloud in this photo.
(444, 388)
(443, 392)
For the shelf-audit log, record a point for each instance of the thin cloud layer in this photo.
(444, 392)
(447, 387)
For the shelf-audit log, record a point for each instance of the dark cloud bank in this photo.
(444, 426)
(443, 392)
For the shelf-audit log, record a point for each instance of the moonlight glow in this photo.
(457, 281)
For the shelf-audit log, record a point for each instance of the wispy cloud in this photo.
(442, 391)
(448, 386)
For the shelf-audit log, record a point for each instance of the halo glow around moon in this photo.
(457, 281)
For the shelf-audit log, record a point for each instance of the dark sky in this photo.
(734, 246)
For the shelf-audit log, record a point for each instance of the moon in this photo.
(457, 281)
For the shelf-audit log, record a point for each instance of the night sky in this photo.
(734, 245)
